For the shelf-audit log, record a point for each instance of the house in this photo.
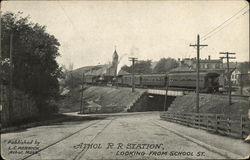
(235, 77)
(205, 64)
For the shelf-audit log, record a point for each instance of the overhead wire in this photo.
(219, 29)
(71, 22)
(216, 28)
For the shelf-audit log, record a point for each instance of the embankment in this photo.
(109, 99)
(210, 103)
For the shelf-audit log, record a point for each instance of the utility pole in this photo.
(166, 94)
(1, 86)
(241, 83)
(133, 59)
(116, 65)
(11, 78)
(228, 74)
(198, 45)
(72, 83)
(81, 107)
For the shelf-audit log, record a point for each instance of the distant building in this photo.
(106, 69)
(205, 64)
(235, 77)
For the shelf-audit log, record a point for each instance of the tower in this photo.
(115, 61)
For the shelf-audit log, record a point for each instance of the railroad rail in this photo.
(82, 152)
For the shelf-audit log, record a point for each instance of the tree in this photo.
(139, 67)
(4, 70)
(126, 68)
(244, 68)
(36, 71)
(165, 65)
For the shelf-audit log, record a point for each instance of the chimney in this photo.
(209, 58)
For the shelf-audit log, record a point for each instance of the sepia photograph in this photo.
(124, 79)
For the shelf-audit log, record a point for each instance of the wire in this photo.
(71, 22)
(224, 22)
(223, 27)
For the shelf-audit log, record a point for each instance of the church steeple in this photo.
(115, 61)
(115, 55)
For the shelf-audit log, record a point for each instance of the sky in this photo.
(89, 31)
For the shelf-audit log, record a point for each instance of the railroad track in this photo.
(82, 152)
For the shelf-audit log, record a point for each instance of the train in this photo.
(185, 80)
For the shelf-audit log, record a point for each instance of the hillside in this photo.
(81, 70)
(104, 97)
(210, 104)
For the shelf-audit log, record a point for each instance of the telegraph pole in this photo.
(72, 83)
(1, 86)
(166, 94)
(133, 59)
(81, 107)
(198, 45)
(228, 74)
(11, 78)
(241, 84)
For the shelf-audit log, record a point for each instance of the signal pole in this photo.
(133, 59)
(228, 74)
(198, 45)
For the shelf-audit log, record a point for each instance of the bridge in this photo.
(163, 92)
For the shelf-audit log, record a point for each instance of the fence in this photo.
(235, 125)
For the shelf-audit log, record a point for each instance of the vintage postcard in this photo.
(93, 80)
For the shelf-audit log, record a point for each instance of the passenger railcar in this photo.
(127, 80)
(208, 81)
(154, 80)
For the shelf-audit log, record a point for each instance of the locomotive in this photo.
(208, 83)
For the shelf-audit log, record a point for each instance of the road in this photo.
(135, 136)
